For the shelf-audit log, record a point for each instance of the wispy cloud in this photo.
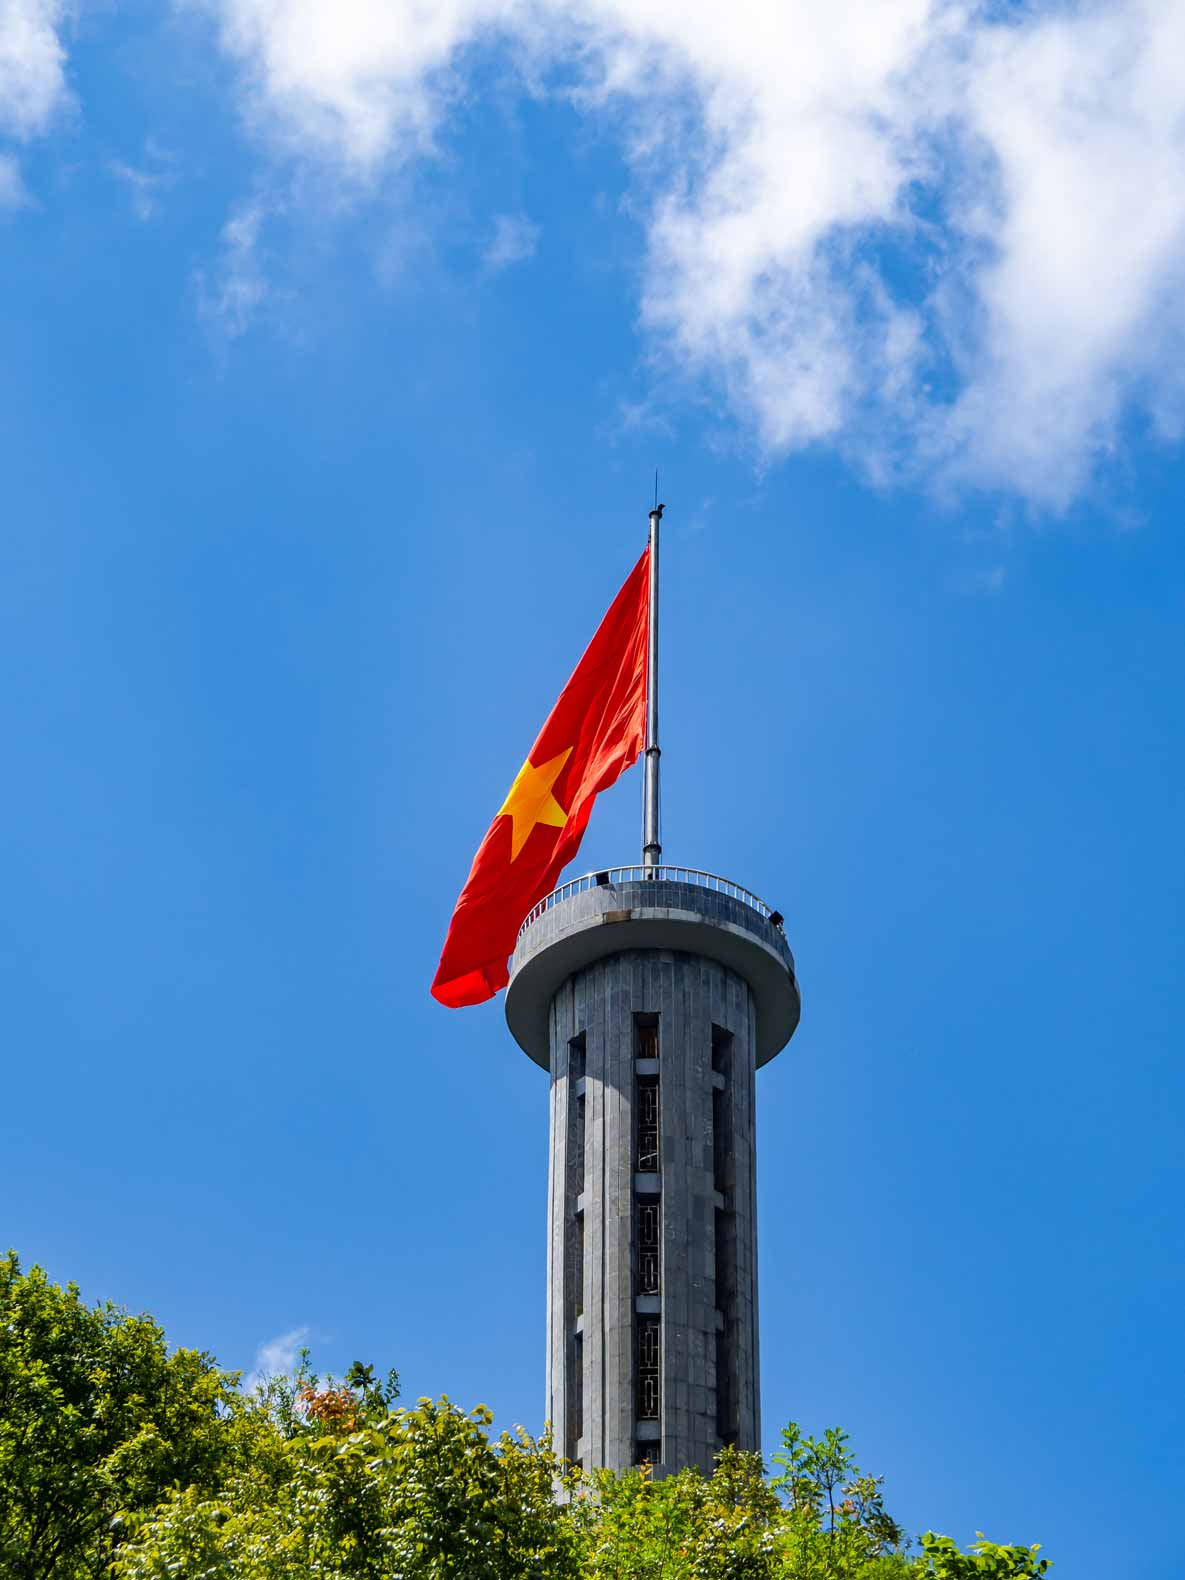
(231, 293)
(985, 581)
(514, 240)
(146, 182)
(945, 236)
(276, 1357)
(12, 186)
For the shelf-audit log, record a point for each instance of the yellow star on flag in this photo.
(530, 800)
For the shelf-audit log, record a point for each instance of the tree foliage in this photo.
(120, 1459)
(96, 1416)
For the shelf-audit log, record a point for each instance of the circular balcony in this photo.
(675, 908)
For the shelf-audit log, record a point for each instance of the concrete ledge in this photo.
(651, 915)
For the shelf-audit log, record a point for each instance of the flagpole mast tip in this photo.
(651, 847)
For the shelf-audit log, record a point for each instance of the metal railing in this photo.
(614, 875)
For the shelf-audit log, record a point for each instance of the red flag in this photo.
(592, 735)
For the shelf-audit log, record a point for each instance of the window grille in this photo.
(573, 1267)
(649, 1247)
(576, 1156)
(578, 1392)
(649, 1352)
(647, 1127)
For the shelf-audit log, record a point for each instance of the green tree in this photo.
(366, 1492)
(122, 1460)
(685, 1527)
(821, 1518)
(350, 1488)
(835, 1521)
(942, 1560)
(96, 1416)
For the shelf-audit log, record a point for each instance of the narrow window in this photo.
(721, 1110)
(646, 1036)
(721, 1050)
(578, 1132)
(649, 1374)
(719, 1142)
(576, 1049)
(649, 1246)
(578, 1267)
(647, 1223)
(578, 1394)
(647, 1155)
(725, 1413)
(726, 1302)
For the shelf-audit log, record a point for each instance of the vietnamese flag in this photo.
(592, 735)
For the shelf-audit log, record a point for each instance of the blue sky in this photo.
(337, 362)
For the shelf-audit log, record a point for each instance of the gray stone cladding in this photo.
(703, 1011)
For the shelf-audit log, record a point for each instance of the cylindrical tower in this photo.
(652, 995)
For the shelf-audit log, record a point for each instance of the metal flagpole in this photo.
(651, 849)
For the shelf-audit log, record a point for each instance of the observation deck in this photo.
(681, 909)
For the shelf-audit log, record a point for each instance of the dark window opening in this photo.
(578, 1267)
(726, 1300)
(576, 1058)
(646, 1036)
(647, 1155)
(721, 1050)
(649, 1368)
(720, 1141)
(644, 1453)
(577, 1392)
(649, 1247)
(576, 1183)
(725, 1412)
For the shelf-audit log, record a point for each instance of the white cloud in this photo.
(32, 65)
(232, 296)
(12, 187)
(363, 79)
(942, 234)
(514, 240)
(277, 1357)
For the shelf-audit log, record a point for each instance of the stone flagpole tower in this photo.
(652, 994)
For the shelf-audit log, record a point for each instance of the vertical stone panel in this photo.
(615, 989)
